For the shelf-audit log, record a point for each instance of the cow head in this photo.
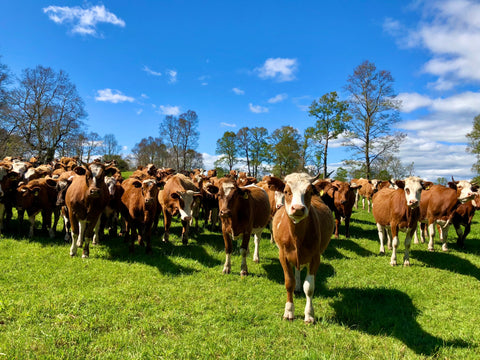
(94, 177)
(277, 185)
(412, 187)
(298, 195)
(183, 203)
(150, 189)
(465, 190)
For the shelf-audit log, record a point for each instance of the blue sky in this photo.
(257, 63)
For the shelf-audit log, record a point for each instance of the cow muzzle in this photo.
(94, 192)
(225, 213)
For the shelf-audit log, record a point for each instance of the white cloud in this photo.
(139, 111)
(209, 160)
(224, 124)
(151, 72)
(278, 98)
(83, 21)
(413, 101)
(238, 91)
(257, 109)
(113, 96)
(450, 31)
(279, 69)
(172, 74)
(169, 110)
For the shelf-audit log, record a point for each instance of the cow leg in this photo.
(393, 259)
(96, 232)
(66, 224)
(74, 223)
(408, 240)
(347, 227)
(388, 232)
(289, 313)
(82, 224)
(167, 218)
(337, 225)
(308, 289)
(443, 233)
(89, 231)
(243, 253)
(185, 228)
(227, 267)
(431, 235)
(56, 217)
(298, 281)
(31, 219)
(363, 203)
(2, 214)
(257, 235)
(381, 236)
(415, 237)
(458, 230)
(47, 222)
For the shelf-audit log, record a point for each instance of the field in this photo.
(176, 304)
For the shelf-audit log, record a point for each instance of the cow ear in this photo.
(137, 184)
(427, 185)
(275, 184)
(400, 184)
(244, 193)
(175, 195)
(110, 171)
(52, 183)
(160, 184)
(36, 191)
(452, 185)
(212, 189)
(80, 170)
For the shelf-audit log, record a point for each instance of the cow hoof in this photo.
(406, 263)
(431, 249)
(84, 256)
(444, 248)
(393, 263)
(288, 318)
(381, 253)
(309, 320)
(226, 271)
(244, 273)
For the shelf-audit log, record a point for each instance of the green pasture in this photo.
(176, 304)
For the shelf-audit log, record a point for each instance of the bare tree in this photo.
(150, 151)
(110, 146)
(92, 144)
(45, 110)
(374, 110)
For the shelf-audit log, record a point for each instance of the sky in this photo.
(258, 63)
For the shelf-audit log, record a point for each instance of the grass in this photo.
(176, 304)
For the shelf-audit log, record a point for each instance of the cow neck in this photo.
(412, 216)
(299, 232)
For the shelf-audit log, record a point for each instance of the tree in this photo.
(332, 116)
(150, 151)
(341, 174)
(110, 147)
(45, 110)
(286, 149)
(258, 148)
(374, 110)
(227, 148)
(181, 135)
(91, 146)
(243, 142)
(474, 143)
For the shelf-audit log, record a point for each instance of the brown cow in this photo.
(339, 197)
(366, 191)
(86, 199)
(463, 215)
(39, 195)
(243, 211)
(177, 198)
(139, 207)
(438, 206)
(109, 217)
(269, 184)
(302, 230)
(398, 210)
(8, 183)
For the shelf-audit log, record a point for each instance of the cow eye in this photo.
(407, 190)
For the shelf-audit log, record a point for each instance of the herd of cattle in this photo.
(93, 198)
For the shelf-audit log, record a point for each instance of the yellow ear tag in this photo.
(428, 188)
(245, 196)
(321, 192)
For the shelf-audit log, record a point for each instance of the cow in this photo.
(138, 207)
(438, 206)
(209, 203)
(366, 191)
(38, 172)
(302, 229)
(7, 183)
(269, 184)
(463, 216)
(177, 197)
(243, 211)
(39, 195)
(86, 199)
(398, 210)
(339, 197)
(109, 217)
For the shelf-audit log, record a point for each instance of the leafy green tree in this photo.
(286, 150)
(259, 148)
(374, 109)
(227, 148)
(474, 143)
(442, 181)
(341, 174)
(332, 116)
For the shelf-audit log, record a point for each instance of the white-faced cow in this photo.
(438, 206)
(177, 198)
(302, 230)
(86, 199)
(463, 216)
(243, 211)
(398, 210)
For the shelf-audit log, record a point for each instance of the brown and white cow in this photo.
(139, 208)
(339, 196)
(39, 195)
(366, 191)
(398, 210)
(277, 198)
(438, 206)
(177, 197)
(86, 199)
(243, 211)
(463, 216)
(302, 230)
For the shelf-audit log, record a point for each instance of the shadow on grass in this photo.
(447, 261)
(331, 253)
(386, 312)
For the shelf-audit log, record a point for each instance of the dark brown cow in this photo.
(339, 197)
(438, 206)
(86, 199)
(139, 207)
(243, 211)
(269, 184)
(302, 230)
(177, 198)
(463, 216)
(39, 195)
(209, 203)
(398, 210)
(109, 217)
(8, 183)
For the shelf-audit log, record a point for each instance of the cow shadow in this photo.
(447, 261)
(274, 272)
(332, 252)
(386, 312)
